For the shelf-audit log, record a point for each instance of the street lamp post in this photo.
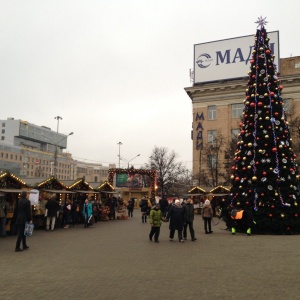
(55, 153)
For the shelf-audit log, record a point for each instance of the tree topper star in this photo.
(261, 21)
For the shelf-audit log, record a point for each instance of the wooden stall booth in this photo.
(219, 197)
(11, 187)
(83, 190)
(197, 194)
(47, 188)
(106, 190)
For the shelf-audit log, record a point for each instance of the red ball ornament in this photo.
(237, 179)
(264, 173)
(262, 194)
(270, 215)
(276, 113)
(252, 104)
(271, 93)
(281, 87)
(233, 168)
(259, 103)
(296, 215)
(274, 149)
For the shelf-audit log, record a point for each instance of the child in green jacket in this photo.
(156, 219)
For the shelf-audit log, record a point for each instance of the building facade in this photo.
(217, 111)
(31, 151)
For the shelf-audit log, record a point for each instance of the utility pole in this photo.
(120, 143)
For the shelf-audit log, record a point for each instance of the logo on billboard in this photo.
(204, 60)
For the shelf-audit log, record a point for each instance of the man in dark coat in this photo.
(163, 202)
(188, 212)
(52, 207)
(23, 215)
(176, 217)
(3, 211)
(144, 209)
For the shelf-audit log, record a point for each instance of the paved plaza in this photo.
(115, 260)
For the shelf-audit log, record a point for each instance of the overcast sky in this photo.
(115, 70)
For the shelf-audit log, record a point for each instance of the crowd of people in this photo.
(179, 215)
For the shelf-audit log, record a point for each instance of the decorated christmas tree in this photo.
(264, 172)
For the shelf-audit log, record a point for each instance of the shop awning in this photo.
(58, 191)
(85, 192)
(16, 191)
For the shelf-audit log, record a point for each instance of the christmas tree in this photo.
(264, 172)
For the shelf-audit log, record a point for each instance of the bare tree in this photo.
(169, 171)
(211, 157)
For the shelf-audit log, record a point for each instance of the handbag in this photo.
(28, 229)
(91, 220)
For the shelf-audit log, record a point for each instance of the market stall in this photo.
(11, 187)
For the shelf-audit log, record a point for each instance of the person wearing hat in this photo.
(207, 214)
(144, 205)
(156, 219)
(176, 218)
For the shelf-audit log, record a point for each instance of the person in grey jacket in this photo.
(188, 213)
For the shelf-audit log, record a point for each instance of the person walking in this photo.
(188, 212)
(156, 219)
(87, 212)
(23, 213)
(163, 202)
(207, 214)
(3, 211)
(176, 218)
(67, 212)
(144, 209)
(96, 210)
(52, 207)
(130, 207)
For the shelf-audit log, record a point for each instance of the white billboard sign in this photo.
(228, 59)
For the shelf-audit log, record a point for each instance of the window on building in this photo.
(11, 156)
(212, 161)
(287, 105)
(6, 155)
(2, 138)
(212, 112)
(234, 133)
(3, 124)
(3, 130)
(211, 137)
(237, 110)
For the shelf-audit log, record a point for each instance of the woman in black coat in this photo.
(176, 217)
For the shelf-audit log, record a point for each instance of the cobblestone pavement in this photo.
(116, 260)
